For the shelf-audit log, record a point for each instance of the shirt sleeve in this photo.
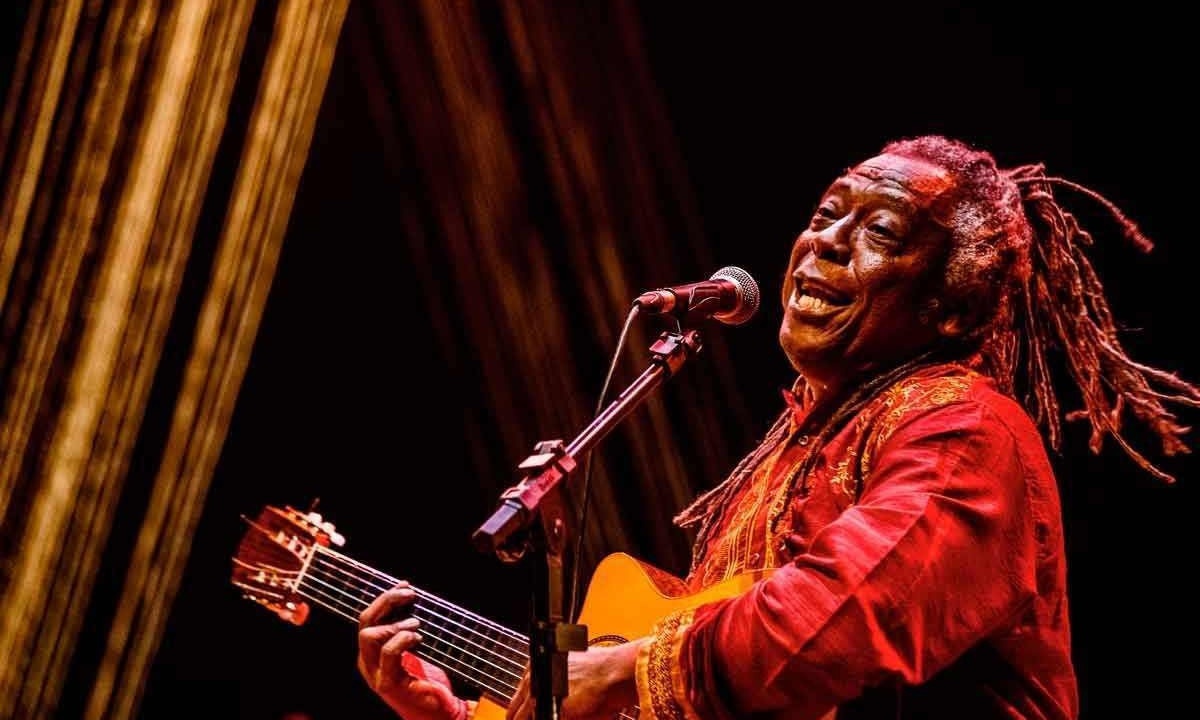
(938, 553)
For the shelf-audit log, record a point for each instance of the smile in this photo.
(811, 307)
(813, 300)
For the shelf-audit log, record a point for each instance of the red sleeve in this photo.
(938, 553)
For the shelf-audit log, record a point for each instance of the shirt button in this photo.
(802, 440)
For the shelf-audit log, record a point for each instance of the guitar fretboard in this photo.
(483, 653)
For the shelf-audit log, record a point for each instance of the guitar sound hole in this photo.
(608, 640)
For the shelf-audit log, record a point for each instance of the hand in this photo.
(600, 683)
(410, 686)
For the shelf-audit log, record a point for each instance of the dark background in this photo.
(768, 105)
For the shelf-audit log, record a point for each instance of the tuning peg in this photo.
(314, 518)
(295, 613)
(335, 537)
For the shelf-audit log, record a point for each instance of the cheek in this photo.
(872, 270)
(888, 283)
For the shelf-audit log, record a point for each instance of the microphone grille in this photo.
(747, 291)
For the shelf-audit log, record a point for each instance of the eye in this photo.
(824, 215)
(882, 230)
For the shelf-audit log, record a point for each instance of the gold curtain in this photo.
(115, 115)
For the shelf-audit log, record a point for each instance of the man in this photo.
(904, 494)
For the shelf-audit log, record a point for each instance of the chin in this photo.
(802, 352)
(811, 347)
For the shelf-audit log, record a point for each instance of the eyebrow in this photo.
(893, 196)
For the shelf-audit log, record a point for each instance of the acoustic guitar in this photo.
(286, 562)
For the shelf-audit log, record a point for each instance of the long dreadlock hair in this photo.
(1017, 255)
(1017, 262)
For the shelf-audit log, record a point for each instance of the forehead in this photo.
(905, 180)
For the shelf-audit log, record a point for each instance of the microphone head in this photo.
(748, 296)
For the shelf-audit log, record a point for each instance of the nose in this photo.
(832, 243)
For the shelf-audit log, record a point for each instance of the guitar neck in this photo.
(472, 648)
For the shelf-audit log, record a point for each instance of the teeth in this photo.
(814, 304)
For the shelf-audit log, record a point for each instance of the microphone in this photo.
(729, 296)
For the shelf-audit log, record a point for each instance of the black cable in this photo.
(587, 470)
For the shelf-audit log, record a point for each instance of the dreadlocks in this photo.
(1018, 259)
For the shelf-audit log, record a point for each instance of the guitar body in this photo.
(624, 601)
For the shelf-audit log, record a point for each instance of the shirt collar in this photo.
(797, 402)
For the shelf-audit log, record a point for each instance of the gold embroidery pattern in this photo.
(866, 461)
(909, 395)
(733, 546)
(775, 537)
(658, 671)
(840, 480)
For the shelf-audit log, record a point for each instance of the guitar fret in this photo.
(518, 653)
(456, 662)
(500, 648)
(498, 641)
(461, 643)
(436, 655)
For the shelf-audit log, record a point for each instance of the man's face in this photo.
(863, 270)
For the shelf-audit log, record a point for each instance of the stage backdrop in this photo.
(487, 187)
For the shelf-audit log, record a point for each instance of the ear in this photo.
(953, 325)
(957, 319)
(951, 322)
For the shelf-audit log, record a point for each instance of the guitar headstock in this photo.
(274, 554)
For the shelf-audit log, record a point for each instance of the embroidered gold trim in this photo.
(732, 548)
(840, 480)
(662, 692)
(911, 395)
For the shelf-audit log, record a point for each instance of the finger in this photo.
(379, 634)
(391, 669)
(372, 639)
(397, 597)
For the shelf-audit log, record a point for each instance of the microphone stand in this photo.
(531, 516)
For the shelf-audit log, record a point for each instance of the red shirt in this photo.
(921, 573)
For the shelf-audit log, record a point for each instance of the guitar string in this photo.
(428, 651)
(391, 581)
(429, 623)
(621, 715)
(427, 600)
(431, 653)
(373, 590)
(351, 610)
(419, 607)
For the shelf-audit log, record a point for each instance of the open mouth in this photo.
(812, 298)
